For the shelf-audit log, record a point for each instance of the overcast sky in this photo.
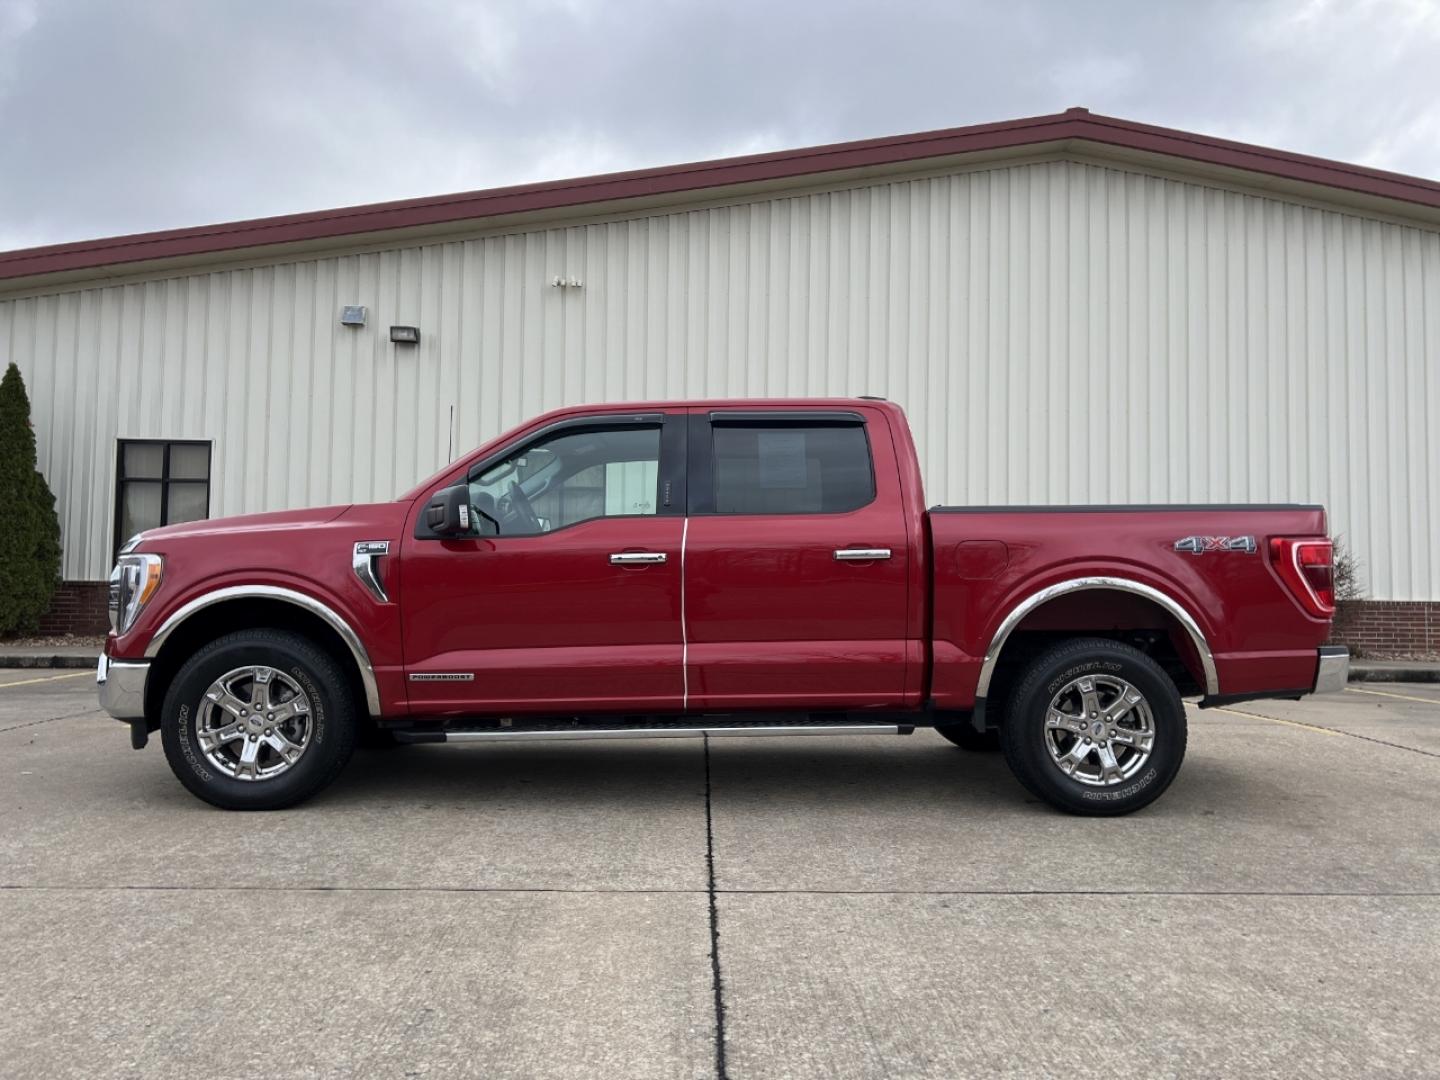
(123, 117)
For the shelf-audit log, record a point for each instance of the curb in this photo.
(74, 661)
(1420, 673)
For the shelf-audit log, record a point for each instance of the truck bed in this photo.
(990, 561)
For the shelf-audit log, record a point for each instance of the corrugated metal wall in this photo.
(1059, 332)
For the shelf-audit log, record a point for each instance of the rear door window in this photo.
(784, 468)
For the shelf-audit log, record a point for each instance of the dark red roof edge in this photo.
(785, 164)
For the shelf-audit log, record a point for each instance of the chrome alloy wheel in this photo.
(254, 723)
(1099, 730)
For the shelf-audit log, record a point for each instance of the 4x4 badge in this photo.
(1198, 545)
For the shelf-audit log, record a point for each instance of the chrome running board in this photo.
(728, 731)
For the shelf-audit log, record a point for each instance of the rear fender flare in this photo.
(1081, 584)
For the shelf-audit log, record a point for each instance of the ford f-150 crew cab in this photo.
(710, 569)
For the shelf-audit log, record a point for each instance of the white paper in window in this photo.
(782, 459)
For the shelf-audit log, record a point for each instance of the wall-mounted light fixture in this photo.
(405, 335)
(353, 315)
(566, 283)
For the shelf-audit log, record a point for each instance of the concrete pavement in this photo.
(884, 907)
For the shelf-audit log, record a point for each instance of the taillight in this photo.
(1307, 567)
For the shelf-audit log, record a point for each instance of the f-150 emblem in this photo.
(1198, 545)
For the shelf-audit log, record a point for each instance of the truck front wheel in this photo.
(258, 720)
(1095, 727)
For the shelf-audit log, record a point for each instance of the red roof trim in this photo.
(1074, 124)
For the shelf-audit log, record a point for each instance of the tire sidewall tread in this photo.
(332, 708)
(1022, 738)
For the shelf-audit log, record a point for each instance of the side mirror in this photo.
(449, 513)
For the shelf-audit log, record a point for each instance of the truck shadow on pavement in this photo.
(799, 772)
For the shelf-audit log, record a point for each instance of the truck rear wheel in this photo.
(1095, 727)
(258, 720)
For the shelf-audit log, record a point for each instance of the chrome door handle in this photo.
(636, 558)
(862, 554)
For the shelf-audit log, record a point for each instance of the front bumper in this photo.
(1333, 670)
(121, 686)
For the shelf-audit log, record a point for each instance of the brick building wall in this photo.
(79, 607)
(1388, 628)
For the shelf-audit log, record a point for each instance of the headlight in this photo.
(132, 583)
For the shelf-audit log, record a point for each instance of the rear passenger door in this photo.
(796, 561)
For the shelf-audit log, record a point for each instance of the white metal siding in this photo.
(1059, 332)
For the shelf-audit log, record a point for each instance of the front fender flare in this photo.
(290, 596)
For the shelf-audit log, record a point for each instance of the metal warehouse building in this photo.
(1072, 308)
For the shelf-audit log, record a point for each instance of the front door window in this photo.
(570, 478)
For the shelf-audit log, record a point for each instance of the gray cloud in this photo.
(156, 113)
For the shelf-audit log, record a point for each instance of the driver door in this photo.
(566, 597)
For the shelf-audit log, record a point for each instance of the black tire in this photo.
(332, 712)
(966, 737)
(1023, 736)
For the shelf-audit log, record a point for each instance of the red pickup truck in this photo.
(710, 569)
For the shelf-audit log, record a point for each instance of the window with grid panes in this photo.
(160, 482)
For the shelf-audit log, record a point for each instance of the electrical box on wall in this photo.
(353, 315)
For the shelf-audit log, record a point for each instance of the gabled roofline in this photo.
(134, 252)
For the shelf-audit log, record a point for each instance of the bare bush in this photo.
(1349, 573)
